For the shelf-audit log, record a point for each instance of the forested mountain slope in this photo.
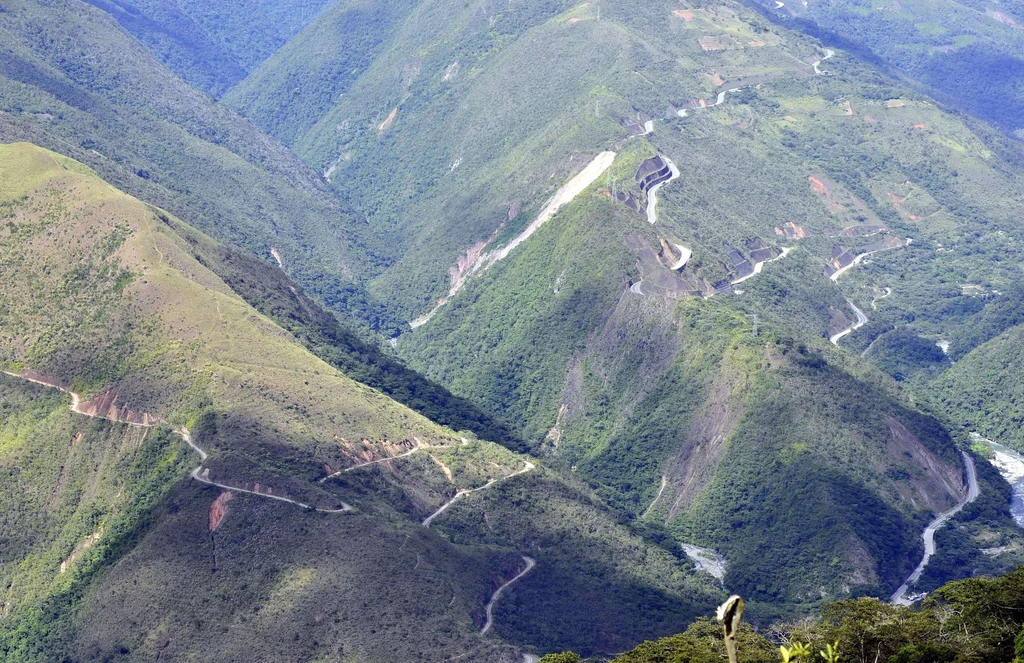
(209, 43)
(983, 390)
(72, 80)
(686, 277)
(969, 52)
(289, 92)
(217, 490)
(800, 185)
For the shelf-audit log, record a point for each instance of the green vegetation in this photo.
(274, 294)
(177, 343)
(109, 103)
(983, 391)
(968, 52)
(432, 133)
(967, 621)
(466, 144)
(347, 37)
(77, 495)
(212, 45)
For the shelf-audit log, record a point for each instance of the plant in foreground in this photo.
(798, 652)
(831, 653)
(730, 613)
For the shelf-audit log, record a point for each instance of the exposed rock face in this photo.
(790, 230)
(219, 509)
(937, 484)
(106, 406)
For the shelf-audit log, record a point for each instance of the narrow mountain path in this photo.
(444, 507)
(759, 266)
(828, 54)
(530, 563)
(198, 473)
(861, 321)
(652, 195)
(373, 462)
(875, 300)
(664, 482)
(900, 597)
(857, 260)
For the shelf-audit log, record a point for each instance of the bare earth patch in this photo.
(219, 509)
(387, 121)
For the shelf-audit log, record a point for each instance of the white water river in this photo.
(1011, 465)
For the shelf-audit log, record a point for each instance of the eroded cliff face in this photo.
(219, 509)
(108, 406)
(706, 441)
(933, 483)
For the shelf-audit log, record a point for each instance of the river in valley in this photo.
(1010, 464)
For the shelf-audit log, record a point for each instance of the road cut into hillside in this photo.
(856, 261)
(759, 266)
(652, 195)
(875, 300)
(444, 507)
(684, 112)
(900, 597)
(530, 563)
(565, 195)
(199, 473)
(861, 321)
(372, 462)
(828, 54)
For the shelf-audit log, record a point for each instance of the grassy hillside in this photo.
(270, 291)
(73, 81)
(462, 127)
(111, 299)
(970, 52)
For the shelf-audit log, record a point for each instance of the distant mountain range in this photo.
(387, 323)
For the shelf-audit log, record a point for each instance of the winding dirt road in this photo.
(759, 266)
(444, 507)
(900, 597)
(685, 112)
(530, 563)
(664, 482)
(875, 300)
(856, 261)
(652, 195)
(372, 462)
(861, 321)
(828, 54)
(198, 474)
